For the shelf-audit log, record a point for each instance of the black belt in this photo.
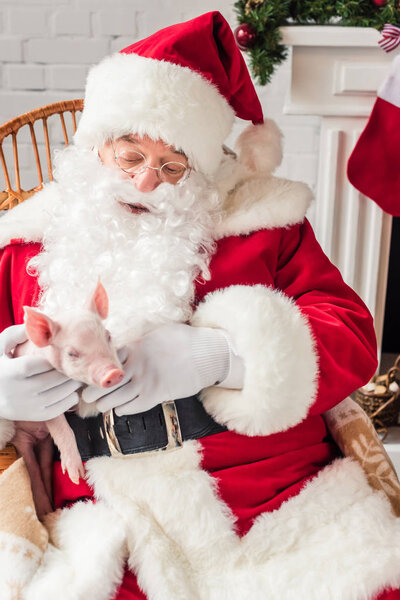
(164, 427)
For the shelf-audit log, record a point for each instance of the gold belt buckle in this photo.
(174, 433)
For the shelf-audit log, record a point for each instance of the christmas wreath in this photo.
(260, 20)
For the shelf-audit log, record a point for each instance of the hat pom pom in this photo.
(259, 147)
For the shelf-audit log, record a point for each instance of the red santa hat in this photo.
(183, 84)
(374, 165)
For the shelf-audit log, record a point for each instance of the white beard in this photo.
(147, 262)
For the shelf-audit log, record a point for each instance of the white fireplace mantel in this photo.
(344, 65)
(335, 75)
(329, 35)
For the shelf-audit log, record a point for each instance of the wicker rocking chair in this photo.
(13, 193)
(348, 424)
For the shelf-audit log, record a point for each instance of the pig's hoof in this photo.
(75, 472)
(74, 477)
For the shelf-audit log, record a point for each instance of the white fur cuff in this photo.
(276, 344)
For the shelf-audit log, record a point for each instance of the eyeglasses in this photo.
(133, 162)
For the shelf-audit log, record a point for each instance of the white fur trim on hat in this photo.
(252, 197)
(260, 147)
(127, 93)
(276, 343)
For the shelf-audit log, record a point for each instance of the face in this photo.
(130, 154)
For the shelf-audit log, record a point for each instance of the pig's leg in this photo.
(64, 437)
(40, 497)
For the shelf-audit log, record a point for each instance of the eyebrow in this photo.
(131, 138)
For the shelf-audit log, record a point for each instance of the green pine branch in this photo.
(267, 16)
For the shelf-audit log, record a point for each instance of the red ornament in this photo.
(379, 2)
(245, 36)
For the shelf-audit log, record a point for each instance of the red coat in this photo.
(341, 327)
(314, 345)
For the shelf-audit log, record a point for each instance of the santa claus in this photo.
(212, 469)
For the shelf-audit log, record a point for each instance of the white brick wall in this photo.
(24, 77)
(27, 21)
(66, 77)
(47, 46)
(65, 50)
(10, 49)
(112, 23)
(71, 22)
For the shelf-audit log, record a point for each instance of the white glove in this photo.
(30, 389)
(173, 361)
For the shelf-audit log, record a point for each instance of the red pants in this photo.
(270, 470)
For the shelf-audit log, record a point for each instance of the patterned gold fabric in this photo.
(356, 437)
(23, 539)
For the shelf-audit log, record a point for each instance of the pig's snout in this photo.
(112, 377)
(106, 373)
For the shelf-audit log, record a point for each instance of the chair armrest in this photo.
(356, 437)
(7, 457)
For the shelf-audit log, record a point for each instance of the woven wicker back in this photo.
(11, 131)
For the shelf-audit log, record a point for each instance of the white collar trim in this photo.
(255, 203)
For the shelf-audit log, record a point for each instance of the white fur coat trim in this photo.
(67, 571)
(28, 220)
(275, 341)
(258, 202)
(336, 540)
(255, 203)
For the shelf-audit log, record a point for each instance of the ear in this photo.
(40, 328)
(99, 301)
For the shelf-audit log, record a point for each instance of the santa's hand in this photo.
(173, 361)
(30, 389)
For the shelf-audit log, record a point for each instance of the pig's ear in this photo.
(99, 301)
(39, 327)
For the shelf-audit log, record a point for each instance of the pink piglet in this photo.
(77, 344)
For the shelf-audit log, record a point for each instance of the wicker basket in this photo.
(381, 399)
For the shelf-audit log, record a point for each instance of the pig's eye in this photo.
(108, 336)
(72, 353)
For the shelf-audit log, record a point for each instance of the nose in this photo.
(146, 181)
(112, 378)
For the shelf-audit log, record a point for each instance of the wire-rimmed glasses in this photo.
(134, 162)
